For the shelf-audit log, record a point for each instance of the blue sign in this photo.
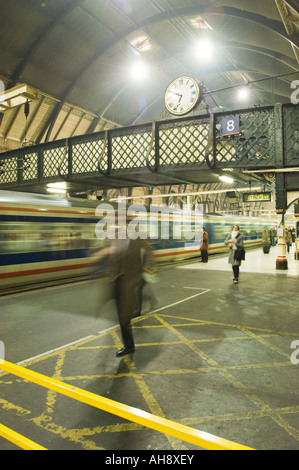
(231, 125)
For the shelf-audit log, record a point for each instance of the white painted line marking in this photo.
(53, 350)
(110, 328)
(180, 301)
(197, 288)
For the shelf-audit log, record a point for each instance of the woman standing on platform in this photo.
(235, 242)
(204, 246)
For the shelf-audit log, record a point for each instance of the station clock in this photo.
(182, 95)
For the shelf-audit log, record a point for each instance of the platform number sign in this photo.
(231, 125)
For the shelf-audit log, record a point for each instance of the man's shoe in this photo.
(123, 351)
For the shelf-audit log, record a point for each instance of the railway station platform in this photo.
(216, 356)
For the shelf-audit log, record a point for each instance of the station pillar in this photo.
(281, 260)
(281, 207)
(297, 242)
(280, 187)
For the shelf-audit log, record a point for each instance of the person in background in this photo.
(289, 239)
(235, 241)
(204, 246)
(272, 236)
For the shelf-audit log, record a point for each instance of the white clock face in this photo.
(181, 95)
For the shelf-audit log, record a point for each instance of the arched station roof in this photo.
(79, 54)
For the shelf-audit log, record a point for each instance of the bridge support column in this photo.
(296, 255)
(280, 188)
(281, 207)
(281, 260)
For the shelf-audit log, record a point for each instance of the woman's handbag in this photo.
(239, 254)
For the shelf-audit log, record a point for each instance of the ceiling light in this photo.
(204, 49)
(138, 70)
(58, 188)
(59, 185)
(244, 93)
(226, 179)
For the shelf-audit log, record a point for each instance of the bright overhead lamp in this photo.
(204, 49)
(138, 70)
(56, 191)
(226, 179)
(244, 93)
(59, 187)
(59, 184)
(16, 96)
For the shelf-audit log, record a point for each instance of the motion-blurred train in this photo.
(45, 238)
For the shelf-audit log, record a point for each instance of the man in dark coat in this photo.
(128, 259)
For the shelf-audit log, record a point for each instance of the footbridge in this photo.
(249, 145)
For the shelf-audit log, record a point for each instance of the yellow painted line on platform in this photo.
(6, 405)
(146, 393)
(18, 440)
(179, 431)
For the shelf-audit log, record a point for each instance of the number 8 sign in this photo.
(231, 125)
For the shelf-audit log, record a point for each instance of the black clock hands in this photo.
(174, 93)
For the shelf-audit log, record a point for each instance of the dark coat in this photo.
(127, 265)
(205, 241)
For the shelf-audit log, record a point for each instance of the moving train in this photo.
(45, 238)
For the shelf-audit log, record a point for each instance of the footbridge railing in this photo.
(163, 152)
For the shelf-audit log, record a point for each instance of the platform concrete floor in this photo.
(214, 355)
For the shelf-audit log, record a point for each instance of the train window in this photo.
(31, 237)
(221, 231)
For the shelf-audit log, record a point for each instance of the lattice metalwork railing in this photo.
(253, 146)
(183, 144)
(192, 142)
(9, 171)
(87, 156)
(53, 160)
(131, 150)
(30, 166)
(291, 135)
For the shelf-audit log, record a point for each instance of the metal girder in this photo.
(290, 18)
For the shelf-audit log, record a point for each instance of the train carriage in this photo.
(46, 238)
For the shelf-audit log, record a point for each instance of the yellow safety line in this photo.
(19, 440)
(185, 433)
